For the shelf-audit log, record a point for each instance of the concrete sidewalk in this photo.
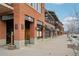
(48, 47)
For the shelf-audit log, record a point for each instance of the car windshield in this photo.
(75, 36)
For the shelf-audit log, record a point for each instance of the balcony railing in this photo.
(49, 21)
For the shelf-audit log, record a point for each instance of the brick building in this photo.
(53, 26)
(24, 23)
(21, 23)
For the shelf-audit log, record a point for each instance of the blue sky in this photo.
(62, 10)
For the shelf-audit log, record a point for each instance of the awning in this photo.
(6, 17)
(28, 18)
(39, 22)
(5, 8)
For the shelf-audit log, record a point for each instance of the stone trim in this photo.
(19, 43)
(2, 41)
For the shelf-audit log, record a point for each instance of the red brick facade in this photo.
(19, 12)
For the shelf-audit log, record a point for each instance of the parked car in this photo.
(75, 39)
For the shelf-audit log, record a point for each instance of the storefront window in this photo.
(39, 29)
(47, 32)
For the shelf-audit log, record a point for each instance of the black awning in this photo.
(39, 27)
(6, 17)
(28, 18)
(39, 23)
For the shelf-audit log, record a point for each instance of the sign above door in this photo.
(7, 17)
(28, 18)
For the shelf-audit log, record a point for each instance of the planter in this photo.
(11, 47)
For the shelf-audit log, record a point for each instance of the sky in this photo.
(63, 10)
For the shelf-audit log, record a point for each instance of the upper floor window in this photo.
(39, 7)
(36, 6)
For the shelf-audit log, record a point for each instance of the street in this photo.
(48, 47)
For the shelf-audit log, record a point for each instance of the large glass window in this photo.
(47, 32)
(39, 31)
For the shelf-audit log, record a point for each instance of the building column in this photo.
(2, 32)
(32, 33)
(19, 27)
(43, 32)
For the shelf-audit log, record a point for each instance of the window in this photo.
(39, 29)
(39, 7)
(36, 6)
(33, 5)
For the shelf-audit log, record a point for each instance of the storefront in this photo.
(47, 32)
(28, 24)
(39, 29)
(8, 20)
(21, 28)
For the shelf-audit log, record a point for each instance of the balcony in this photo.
(50, 25)
(50, 21)
(5, 8)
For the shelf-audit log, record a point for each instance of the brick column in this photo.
(19, 26)
(43, 31)
(2, 33)
(32, 33)
(43, 18)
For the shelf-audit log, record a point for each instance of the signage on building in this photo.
(28, 18)
(39, 25)
(7, 17)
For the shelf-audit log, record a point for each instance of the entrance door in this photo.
(27, 32)
(9, 30)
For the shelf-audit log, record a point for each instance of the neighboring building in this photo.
(53, 26)
(49, 25)
(21, 23)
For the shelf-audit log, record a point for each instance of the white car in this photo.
(75, 39)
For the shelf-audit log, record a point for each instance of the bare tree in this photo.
(73, 25)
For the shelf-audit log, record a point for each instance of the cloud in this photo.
(66, 21)
(70, 18)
